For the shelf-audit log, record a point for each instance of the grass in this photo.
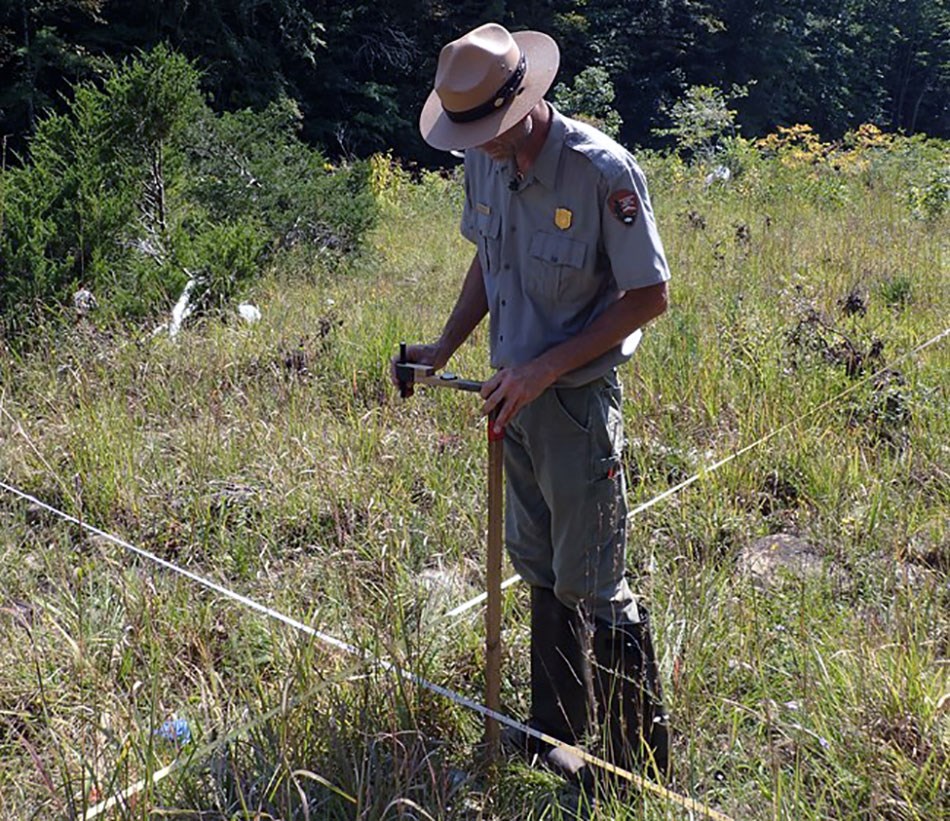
(276, 460)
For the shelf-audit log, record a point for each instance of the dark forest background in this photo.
(359, 71)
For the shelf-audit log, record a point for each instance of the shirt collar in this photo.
(545, 166)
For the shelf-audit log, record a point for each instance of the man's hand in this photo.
(510, 389)
(421, 355)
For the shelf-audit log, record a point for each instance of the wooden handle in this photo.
(496, 450)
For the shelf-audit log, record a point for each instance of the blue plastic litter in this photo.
(175, 730)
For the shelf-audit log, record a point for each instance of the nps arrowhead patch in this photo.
(624, 205)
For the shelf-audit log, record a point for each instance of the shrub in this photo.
(702, 120)
(590, 98)
(94, 186)
(139, 187)
(249, 164)
(930, 199)
(225, 256)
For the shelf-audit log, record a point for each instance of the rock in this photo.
(720, 174)
(230, 496)
(23, 613)
(914, 575)
(769, 559)
(84, 301)
(249, 313)
(35, 515)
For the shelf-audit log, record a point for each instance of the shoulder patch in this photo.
(624, 205)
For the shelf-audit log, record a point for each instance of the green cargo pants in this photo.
(565, 523)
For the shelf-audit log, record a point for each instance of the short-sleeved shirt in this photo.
(559, 246)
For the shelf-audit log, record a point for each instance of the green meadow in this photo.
(275, 460)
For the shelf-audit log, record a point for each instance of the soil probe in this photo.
(409, 374)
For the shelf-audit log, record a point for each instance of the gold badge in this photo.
(563, 218)
(482, 208)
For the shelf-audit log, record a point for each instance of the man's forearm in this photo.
(510, 389)
(632, 311)
(470, 308)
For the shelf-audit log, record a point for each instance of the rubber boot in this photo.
(561, 683)
(634, 725)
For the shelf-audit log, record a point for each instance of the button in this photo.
(501, 338)
(507, 267)
(553, 259)
(513, 227)
(503, 303)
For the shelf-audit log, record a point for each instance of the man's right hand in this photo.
(419, 354)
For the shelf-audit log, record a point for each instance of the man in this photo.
(569, 267)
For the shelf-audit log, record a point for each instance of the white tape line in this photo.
(480, 598)
(129, 792)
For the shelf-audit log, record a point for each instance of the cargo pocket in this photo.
(554, 257)
(608, 497)
(607, 469)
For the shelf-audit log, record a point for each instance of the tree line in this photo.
(359, 71)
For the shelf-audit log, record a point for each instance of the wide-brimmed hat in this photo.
(486, 81)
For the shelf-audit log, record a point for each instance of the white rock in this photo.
(249, 313)
(720, 173)
(770, 558)
(84, 301)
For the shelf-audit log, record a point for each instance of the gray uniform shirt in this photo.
(557, 251)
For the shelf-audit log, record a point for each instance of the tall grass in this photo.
(275, 459)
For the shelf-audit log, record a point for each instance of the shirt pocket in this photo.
(554, 257)
(488, 227)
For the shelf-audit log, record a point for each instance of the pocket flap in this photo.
(488, 225)
(608, 468)
(558, 250)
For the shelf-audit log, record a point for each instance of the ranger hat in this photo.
(486, 81)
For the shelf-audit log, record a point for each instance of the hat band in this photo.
(504, 95)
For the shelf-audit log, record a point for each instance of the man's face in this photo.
(507, 144)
